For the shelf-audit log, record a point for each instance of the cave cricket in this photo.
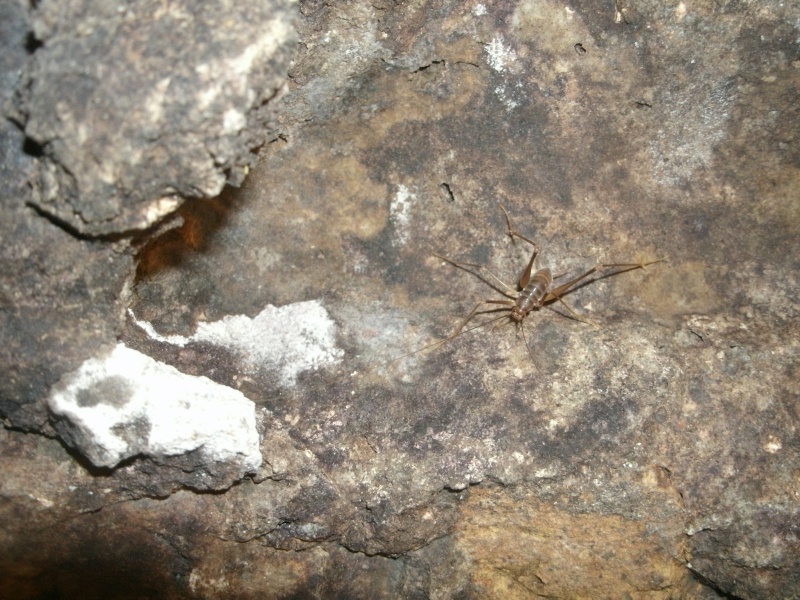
(534, 290)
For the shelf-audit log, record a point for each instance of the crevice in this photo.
(447, 191)
(429, 65)
(712, 585)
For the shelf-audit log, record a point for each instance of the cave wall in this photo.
(223, 230)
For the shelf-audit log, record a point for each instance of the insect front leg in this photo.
(475, 312)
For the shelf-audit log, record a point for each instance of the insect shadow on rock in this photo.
(534, 291)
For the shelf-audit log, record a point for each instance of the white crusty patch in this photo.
(400, 213)
(289, 339)
(126, 404)
(498, 55)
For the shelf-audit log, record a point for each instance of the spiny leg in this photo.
(473, 313)
(514, 233)
(557, 293)
(623, 268)
(575, 315)
(476, 312)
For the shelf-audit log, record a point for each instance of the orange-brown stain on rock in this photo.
(677, 289)
(519, 547)
(355, 204)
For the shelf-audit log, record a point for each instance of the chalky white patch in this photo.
(479, 10)
(400, 213)
(289, 339)
(498, 55)
(126, 404)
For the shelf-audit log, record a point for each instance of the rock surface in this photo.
(138, 106)
(126, 404)
(653, 454)
(62, 295)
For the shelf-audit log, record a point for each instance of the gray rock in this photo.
(649, 455)
(137, 107)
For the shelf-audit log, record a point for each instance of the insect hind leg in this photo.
(483, 273)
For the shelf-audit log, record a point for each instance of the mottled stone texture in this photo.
(651, 453)
(137, 105)
(61, 297)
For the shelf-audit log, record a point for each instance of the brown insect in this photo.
(533, 292)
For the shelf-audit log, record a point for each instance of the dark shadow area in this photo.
(32, 44)
(32, 148)
(90, 562)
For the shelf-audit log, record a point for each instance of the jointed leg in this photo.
(556, 293)
(526, 274)
(475, 312)
(564, 287)
(514, 233)
(483, 272)
(460, 328)
(575, 315)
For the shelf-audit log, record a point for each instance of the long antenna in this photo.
(439, 343)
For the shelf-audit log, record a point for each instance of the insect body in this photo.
(533, 292)
(532, 295)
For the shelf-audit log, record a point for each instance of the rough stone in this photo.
(139, 106)
(650, 455)
(291, 339)
(126, 404)
(60, 296)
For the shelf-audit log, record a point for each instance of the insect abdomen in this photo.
(531, 297)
